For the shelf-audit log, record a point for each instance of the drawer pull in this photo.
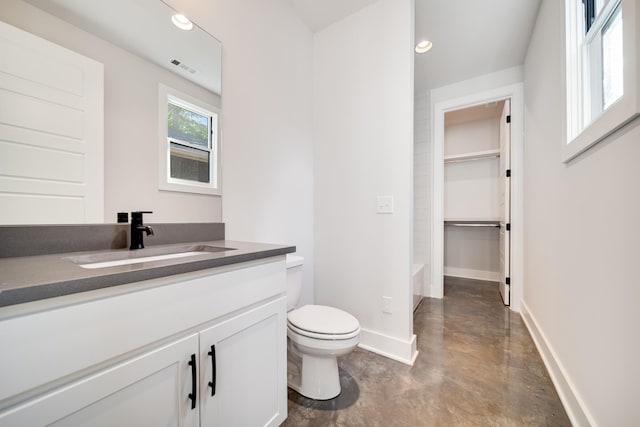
(194, 379)
(212, 383)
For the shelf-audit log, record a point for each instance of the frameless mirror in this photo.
(140, 49)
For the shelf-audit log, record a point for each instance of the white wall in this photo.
(472, 136)
(130, 121)
(472, 252)
(422, 185)
(582, 246)
(483, 83)
(472, 188)
(267, 166)
(363, 110)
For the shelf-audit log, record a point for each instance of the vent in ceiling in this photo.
(185, 67)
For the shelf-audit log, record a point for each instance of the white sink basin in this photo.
(113, 259)
(104, 264)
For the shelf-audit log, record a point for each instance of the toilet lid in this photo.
(321, 319)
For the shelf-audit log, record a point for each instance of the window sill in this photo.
(190, 188)
(610, 121)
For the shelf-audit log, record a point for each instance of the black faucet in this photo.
(137, 227)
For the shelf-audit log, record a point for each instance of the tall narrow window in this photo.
(601, 80)
(591, 8)
(612, 60)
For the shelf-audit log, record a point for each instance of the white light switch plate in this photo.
(384, 204)
(386, 305)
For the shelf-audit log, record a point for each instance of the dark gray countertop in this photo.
(32, 278)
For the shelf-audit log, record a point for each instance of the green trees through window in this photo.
(188, 126)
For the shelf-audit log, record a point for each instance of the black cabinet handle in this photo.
(194, 380)
(212, 383)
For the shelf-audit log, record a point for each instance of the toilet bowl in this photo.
(317, 335)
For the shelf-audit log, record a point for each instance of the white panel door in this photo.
(243, 377)
(150, 390)
(505, 201)
(51, 132)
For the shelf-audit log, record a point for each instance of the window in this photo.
(189, 144)
(612, 60)
(601, 77)
(190, 149)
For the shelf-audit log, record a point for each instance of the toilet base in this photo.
(313, 377)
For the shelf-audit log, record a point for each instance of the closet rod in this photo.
(447, 161)
(457, 224)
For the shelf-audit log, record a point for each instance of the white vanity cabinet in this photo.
(126, 359)
(151, 389)
(250, 356)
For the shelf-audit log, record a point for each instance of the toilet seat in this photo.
(323, 337)
(322, 322)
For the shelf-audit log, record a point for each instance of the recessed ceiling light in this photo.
(423, 46)
(181, 22)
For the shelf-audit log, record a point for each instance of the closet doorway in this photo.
(477, 142)
(477, 191)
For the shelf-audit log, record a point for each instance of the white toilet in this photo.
(317, 334)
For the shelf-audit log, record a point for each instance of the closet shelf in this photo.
(472, 223)
(476, 155)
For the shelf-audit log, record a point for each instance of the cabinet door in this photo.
(149, 390)
(244, 358)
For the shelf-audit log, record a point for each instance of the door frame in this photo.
(515, 92)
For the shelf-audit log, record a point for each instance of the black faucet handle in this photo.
(137, 215)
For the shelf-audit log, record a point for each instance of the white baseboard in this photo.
(391, 347)
(573, 404)
(467, 273)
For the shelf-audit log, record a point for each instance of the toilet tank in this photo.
(294, 280)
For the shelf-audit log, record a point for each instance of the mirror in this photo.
(188, 61)
(145, 27)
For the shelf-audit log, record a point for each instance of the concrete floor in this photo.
(477, 367)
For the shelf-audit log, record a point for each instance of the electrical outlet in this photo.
(386, 305)
(384, 204)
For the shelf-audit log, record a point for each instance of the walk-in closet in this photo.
(477, 194)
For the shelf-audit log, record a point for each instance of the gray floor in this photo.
(477, 367)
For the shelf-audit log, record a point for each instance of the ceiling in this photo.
(470, 37)
(318, 14)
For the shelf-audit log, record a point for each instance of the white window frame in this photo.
(166, 182)
(581, 131)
